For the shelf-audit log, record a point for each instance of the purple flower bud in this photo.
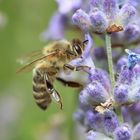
(84, 97)
(111, 122)
(55, 30)
(96, 4)
(84, 107)
(93, 135)
(99, 21)
(121, 93)
(131, 33)
(110, 8)
(136, 69)
(81, 19)
(135, 3)
(90, 119)
(121, 63)
(97, 93)
(123, 133)
(126, 76)
(95, 120)
(102, 77)
(66, 6)
(79, 116)
(127, 12)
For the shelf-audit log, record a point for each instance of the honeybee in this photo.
(50, 61)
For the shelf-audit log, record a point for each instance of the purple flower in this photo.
(105, 122)
(94, 135)
(55, 30)
(111, 122)
(123, 132)
(135, 3)
(110, 7)
(127, 13)
(81, 18)
(105, 16)
(102, 77)
(65, 6)
(126, 75)
(131, 33)
(95, 120)
(79, 116)
(98, 21)
(93, 94)
(121, 63)
(121, 93)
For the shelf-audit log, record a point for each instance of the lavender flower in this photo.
(105, 16)
(101, 76)
(56, 27)
(123, 132)
(65, 7)
(94, 93)
(127, 88)
(102, 96)
(95, 120)
(93, 135)
(127, 13)
(82, 19)
(111, 122)
(98, 21)
(121, 93)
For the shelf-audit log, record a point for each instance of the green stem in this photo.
(110, 60)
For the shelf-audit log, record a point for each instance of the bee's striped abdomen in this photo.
(40, 93)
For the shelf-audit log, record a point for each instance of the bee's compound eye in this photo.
(78, 49)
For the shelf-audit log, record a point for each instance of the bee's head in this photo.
(78, 46)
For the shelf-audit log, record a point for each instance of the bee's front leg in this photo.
(76, 68)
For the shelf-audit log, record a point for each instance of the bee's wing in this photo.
(29, 57)
(30, 65)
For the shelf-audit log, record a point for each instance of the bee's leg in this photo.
(76, 68)
(57, 98)
(69, 83)
(49, 87)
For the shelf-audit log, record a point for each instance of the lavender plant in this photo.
(109, 103)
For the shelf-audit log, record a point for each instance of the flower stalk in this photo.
(110, 60)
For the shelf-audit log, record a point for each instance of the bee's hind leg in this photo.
(53, 92)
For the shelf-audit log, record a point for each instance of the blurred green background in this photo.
(20, 118)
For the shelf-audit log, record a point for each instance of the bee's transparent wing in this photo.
(30, 65)
(29, 57)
